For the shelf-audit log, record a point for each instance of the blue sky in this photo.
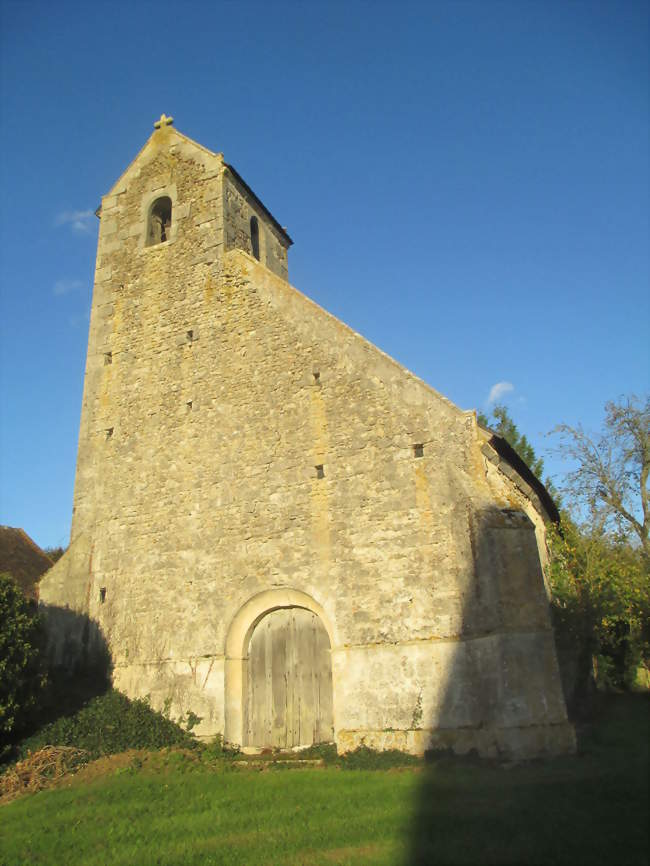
(466, 184)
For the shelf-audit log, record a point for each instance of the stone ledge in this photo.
(515, 743)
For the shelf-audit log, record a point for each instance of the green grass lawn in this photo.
(591, 809)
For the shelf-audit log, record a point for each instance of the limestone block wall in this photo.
(239, 206)
(121, 309)
(512, 491)
(241, 450)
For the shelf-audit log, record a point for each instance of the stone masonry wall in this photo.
(213, 392)
(239, 207)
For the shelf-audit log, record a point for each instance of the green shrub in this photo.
(215, 750)
(108, 724)
(364, 758)
(601, 607)
(325, 751)
(22, 673)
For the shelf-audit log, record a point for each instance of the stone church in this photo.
(276, 526)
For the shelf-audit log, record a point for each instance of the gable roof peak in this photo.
(163, 134)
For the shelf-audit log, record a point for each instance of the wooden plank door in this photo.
(289, 681)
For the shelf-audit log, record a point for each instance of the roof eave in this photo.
(505, 450)
(261, 204)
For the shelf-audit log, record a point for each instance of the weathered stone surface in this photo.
(244, 451)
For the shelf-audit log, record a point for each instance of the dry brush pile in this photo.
(40, 770)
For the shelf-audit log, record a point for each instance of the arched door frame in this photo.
(236, 651)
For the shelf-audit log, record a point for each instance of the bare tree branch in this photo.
(611, 474)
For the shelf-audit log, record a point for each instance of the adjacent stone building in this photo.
(276, 526)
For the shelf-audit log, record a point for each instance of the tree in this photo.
(55, 553)
(598, 571)
(600, 592)
(600, 595)
(21, 668)
(611, 475)
(503, 425)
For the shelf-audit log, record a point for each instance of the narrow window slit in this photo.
(108, 358)
(255, 237)
(102, 595)
(190, 336)
(316, 376)
(320, 472)
(418, 450)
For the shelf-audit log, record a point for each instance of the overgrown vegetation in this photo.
(362, 758)
(601, 607)
(107, 724)
(22, 672)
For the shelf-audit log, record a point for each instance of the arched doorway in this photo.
(289, 681)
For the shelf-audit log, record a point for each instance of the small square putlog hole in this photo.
(418, 450)
(190, 336)
(109, 432)
(316, 377)
(102, 595)
(189, 405)
(108, 358)
(320, 472)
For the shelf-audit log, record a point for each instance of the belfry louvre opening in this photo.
(255, 237)
(160, 221)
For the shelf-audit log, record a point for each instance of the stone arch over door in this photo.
(238, 642)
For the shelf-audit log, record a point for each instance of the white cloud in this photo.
(80, 220)
(499, 390)
(64, 287)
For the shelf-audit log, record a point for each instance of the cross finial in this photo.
(164, 121)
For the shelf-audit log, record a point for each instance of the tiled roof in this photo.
(23, 559)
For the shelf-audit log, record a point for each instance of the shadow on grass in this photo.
(589, 808)
(504, 690)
